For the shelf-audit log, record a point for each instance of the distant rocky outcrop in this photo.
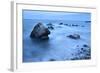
(74, 36)
(40, 31)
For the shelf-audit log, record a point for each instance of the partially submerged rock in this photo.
(88, 21)
(74, 25)
(40, 31)
(74, 36)
(50, 26)
(66, 24)
(61, 24)
(52, 60)
(85, 45)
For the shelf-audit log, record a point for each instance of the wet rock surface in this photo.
(52, 60)
(75, 25)
(50, 26)
(40, 31)
(74, 36)
(60, 23)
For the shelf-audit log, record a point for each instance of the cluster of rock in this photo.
(50, 26)
(84, 52)
(40, 31)
(74, 25)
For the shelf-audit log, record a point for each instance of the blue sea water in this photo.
(59, 47)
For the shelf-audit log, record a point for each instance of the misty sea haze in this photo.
(59, 47)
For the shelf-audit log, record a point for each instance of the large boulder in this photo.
(40, 31)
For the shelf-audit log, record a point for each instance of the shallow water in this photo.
(59, 47)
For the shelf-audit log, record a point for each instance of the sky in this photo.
(50, 15)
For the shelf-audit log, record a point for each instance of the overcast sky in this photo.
(29, 14)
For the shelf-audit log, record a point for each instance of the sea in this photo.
(59, 47)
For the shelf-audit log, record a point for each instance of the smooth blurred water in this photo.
(59, 47)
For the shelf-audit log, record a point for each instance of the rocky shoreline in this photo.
(40, 31)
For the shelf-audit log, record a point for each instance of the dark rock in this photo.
(61, 24)
(82, 48)
(50, 26)
(52, 60)
(85, 45)
(88, 57)
(88, 21)
(40, 31)
(74, 36)
(75, 58)
(88, 54)
(66, 24)
(80, 52)
(74, 25)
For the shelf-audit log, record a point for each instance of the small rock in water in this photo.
(74, 36)
(50, 26)
(82, 48)
(61, 24)
(66, 24)
(40, 31)
(52, 60)
(85, 45)
(88, 21)
(74, 25)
